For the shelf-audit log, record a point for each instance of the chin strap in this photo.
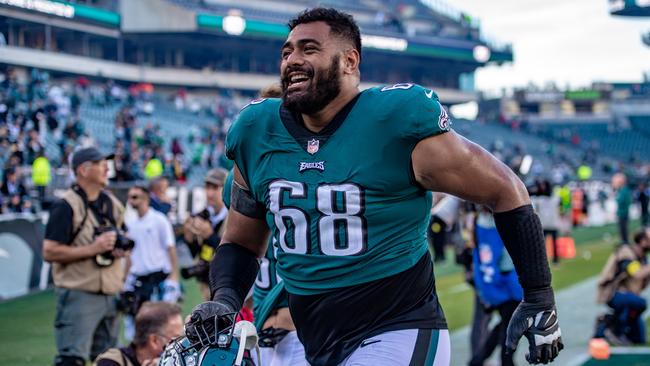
(246, 333)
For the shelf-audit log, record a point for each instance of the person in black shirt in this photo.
(81, 230)
(156, 324)
(12, 185)
(644, 196)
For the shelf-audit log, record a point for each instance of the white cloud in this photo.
(571, 42)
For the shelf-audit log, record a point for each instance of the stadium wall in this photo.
(21, 261)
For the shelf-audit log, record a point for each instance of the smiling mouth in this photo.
(297, 80)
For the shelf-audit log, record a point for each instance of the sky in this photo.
(570, 42)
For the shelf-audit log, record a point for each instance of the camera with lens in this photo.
(204, 214)
(200, 270)
(121, 242)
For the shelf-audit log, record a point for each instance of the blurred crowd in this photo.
(43, 122)
(143, 150)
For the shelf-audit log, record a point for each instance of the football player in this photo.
(279, 343)
(341, 177)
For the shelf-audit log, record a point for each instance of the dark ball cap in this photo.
(88, 154)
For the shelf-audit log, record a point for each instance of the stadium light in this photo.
(481, 53)
(467, 110)
(234, 24)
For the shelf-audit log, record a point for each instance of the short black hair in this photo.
(639, 236)
(341, 24)
(142, 188)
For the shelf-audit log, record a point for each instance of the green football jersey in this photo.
(227, 189)
(343, 205)
(267, 280)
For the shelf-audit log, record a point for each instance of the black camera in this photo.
(201, 270)
(204, 214)
(121, 242)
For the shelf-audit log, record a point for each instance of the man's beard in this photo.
(320, 93)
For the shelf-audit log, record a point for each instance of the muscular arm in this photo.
(54, 251)
(452, 164)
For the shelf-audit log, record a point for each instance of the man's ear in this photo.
(351, 59)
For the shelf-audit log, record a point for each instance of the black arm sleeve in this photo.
(106, 362)
(232, 274)
(521, 232)
(59, 225)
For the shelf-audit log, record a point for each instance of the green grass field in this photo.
(26, 334)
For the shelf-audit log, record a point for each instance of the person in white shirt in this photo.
(152, 268)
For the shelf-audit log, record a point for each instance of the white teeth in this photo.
(296, 78)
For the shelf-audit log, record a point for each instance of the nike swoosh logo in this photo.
(429, 93)
(367, 343)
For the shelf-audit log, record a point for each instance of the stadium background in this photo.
(159, 82)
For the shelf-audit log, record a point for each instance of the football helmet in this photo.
(217, 341)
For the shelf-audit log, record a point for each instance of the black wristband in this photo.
(523, 237)
(543, 295)
(232, 274)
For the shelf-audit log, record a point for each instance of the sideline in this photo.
(577, 311)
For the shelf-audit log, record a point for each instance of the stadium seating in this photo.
(641, 124)
(608, 138)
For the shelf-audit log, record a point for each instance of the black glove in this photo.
(202, 322)
(536, 318)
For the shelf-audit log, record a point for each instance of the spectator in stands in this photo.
(82, 226)
(202, 231)
(159, 199)
(155, 326)
(12, 185)
(152, 265)
(41, 175)
(34, 146)
(176, 147)
(625, 275)
(623, 201)
(153, 168)
(643, 196)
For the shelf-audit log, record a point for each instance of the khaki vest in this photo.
(611, 281)
(85, 275)
(114, 354)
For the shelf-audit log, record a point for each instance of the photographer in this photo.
(152, 265)
(80, 242)
(155, 326)
(625, 275)
(202, 231)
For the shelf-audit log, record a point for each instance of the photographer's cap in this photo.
(216, 177)
(88, 154)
